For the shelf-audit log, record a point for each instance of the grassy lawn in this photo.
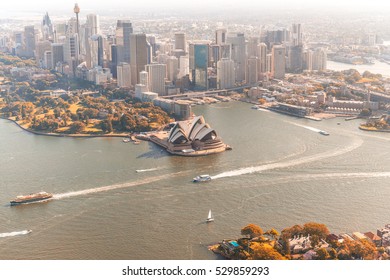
(73, 108)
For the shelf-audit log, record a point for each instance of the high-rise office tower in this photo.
(295, 59)
(123, 31)
(180, 42)
(308, 60)
(319, 60)
(296, 35)
(47, 28)
(253, 42)
(40, 48)
(238, 53)
(93, 24)
(71, 51)
(172, 68)
(57, 52)
(123, 75)
(262, 55)
(48, 60)
(144, 79)
(29, 40)
(225, 73)
(96, 51)
(251, 73)
(184, 66)
(278, 61)
(269, 63)
(139, 56)
(198, 64)
(156, 78)
(220, 36)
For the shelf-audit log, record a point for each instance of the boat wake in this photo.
(114, 187)
(306, 127)
(147, 170)
(278, 165)
(14, 233)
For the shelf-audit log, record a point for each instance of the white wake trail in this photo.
(113, 187)
(147, 170)
(290, 163)
(14, 233)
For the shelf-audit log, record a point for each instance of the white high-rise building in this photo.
(144, 79)
(278, 61)
(319, 59)
(157, 75)
(93, 24)
(262, 55)
(225, 73)
(123, 75)
(296, 35)
(172, 68)
(220, 36)
(184, 66)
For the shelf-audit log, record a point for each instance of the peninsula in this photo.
(312, 241)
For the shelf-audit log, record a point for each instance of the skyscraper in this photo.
(220, 36)
(180, 42)
(123, 31)
(57, 52)
(225, 73)
(47, 28)
(278, 61)
(123, 75)
(156, 77)
(139, 56)
(238, 53)
(251, 73)
(29, 40)
(71, 51)
(172, 68)
(198, 64)
(93, 24)
(296, 35)
(262, 55)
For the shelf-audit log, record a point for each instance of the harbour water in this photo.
(280, 172)
(377, 68)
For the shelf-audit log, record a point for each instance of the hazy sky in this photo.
(100, 5)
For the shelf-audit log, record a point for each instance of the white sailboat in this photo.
(210, 217)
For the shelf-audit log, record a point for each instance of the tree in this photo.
(252, 231)
(272, 232)
(77, 127)
(291, 231)
(322, 254)
(264, 251)
(316, 229)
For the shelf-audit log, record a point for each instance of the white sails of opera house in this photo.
(194, 135)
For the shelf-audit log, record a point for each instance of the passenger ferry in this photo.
(201, 178)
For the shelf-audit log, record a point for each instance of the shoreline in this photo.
(374, 130)
(65, 135)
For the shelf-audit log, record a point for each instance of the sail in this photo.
(209, 216)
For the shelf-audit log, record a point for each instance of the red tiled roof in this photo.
(372, 236)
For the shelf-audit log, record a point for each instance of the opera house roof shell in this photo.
(186, 132)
